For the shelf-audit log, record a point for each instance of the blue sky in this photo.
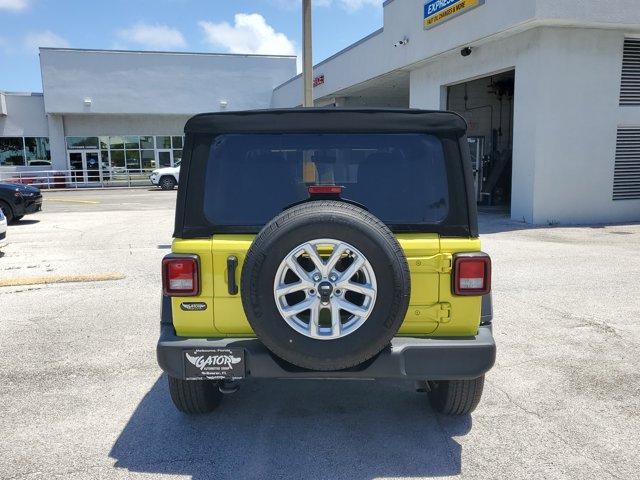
(236, 26)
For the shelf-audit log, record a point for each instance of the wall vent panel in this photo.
(630, 89)
(626, 178)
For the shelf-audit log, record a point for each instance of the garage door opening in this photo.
(487, 105)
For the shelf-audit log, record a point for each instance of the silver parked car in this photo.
(3, 229)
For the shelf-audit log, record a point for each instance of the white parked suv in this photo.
(3, 229)
(166, 178)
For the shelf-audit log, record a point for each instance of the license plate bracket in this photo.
(216, 363)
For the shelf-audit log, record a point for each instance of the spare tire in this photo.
(325, 285)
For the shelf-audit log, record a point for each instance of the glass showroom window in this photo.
(131, 152)
(11, 151)
(21, 151)
(173, 143)
(82, 143)
(163, 142)
(37, 151)
(116, 145)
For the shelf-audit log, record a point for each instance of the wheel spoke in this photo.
(357, 264)
(315, 258)
(366, 290)
(352, 308)
(338, 251)
(314, 322)
(300, 307)
(283, 290)
(296, 268)
(336, 324)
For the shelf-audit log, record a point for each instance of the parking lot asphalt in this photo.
(82, 396)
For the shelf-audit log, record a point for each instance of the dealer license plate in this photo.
(214, 364)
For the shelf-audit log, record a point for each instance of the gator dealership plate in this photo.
(214, 364)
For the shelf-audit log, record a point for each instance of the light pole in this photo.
(307, 59)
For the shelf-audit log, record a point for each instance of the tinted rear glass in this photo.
(400, 178)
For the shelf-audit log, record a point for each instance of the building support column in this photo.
(307, 55)
(57, 142)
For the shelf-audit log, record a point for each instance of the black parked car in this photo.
(18, 200)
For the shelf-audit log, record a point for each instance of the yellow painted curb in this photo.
(18, 282)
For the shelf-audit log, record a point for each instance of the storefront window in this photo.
(163, 143)
(147, 142)
(133, 159)
(117, 158)
(132, 143)
(11, 151)
(133, 152)
(104, 160)
(117, 143)
(148, 159)
(82, 143)
(37, 148)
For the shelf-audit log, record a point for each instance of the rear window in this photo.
(400, 178)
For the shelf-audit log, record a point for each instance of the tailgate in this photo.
(433, 310)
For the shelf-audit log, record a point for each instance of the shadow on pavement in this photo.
(295, 429)
(22, 223)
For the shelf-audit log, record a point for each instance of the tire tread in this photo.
(194, 397)
(456, 397)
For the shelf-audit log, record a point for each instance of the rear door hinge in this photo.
(444, 314)
(440, 263)
(445, 262)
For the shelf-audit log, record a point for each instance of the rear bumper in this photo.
(406, 357)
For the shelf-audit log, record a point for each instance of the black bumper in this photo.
(27, 206)
(33, 206)
(406, 357)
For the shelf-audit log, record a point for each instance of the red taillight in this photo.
(325, 190)
(471, 274)
(180, 276)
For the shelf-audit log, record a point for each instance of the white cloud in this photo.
(14, 5)
(46, 38)
(160, 37)
(250, 33)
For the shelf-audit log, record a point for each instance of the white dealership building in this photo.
(550, 90)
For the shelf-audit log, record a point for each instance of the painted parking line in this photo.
(71, 200)
(22, 281)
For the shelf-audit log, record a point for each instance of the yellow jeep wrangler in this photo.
(326, 243)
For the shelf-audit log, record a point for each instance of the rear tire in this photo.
(6, 209)
(310, 222)
(194, 397)
(456, 397)
(167, 183)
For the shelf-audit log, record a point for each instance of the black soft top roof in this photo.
(328, 120)
(202, 129)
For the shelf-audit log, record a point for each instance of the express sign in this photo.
(438, 11)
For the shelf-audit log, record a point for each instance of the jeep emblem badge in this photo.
(325, 289)
(193, 306)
